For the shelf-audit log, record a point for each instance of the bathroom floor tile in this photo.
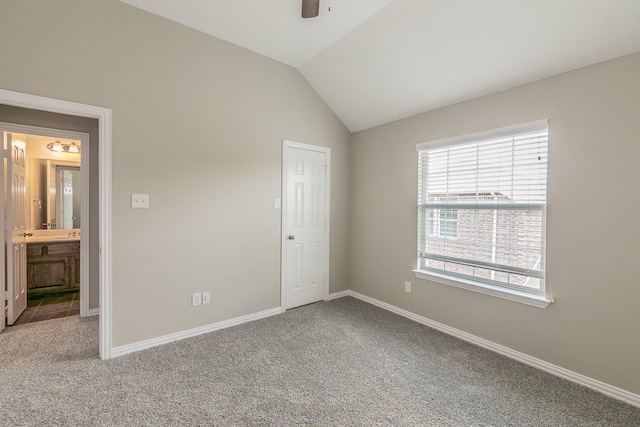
(39, 310)
(38, 317)
(54, 297)
(58, 299)
(52, 308)
(34, 303)
(26, 316)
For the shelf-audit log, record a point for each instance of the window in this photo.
(443, 222)
(482, 210)
(448, 222)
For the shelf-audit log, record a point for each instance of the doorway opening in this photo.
(33, 108)
(45, 206)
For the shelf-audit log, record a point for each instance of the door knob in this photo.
(291, 237)
(28, 234)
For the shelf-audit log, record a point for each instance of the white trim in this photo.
(189, 333)
(93, 312)
(283, 243)
(337, 295)
(84, 202)
(540, 298)
(105, 234)
(104, 134)
(482, 288)
(3, 299)
(604, 388)
(486, 134)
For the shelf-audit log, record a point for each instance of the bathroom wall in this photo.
(37, 177)
(198, 124)
(37, 147)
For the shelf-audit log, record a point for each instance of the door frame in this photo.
(283, 223)
(84, 204)
(3, 278)
(103, 115)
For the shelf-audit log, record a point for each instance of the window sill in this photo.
(508, 294)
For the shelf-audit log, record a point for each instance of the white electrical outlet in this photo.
(140, 201)
(407, 287)
(196, 299)
(206, 297)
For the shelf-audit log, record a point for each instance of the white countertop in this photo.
(50, 239)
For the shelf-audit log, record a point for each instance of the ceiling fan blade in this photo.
(310, 8)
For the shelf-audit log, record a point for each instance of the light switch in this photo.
(407, 287)
(140, 201)
(276, 203)
(196, 299)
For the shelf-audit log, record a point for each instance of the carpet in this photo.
(336, 363)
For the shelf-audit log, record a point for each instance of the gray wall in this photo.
(197, 124)
(11, 114)
(593, 235)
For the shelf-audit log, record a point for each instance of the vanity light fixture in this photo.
(59, 147)
(74, 148)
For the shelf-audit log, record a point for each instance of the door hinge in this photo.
(5, 154)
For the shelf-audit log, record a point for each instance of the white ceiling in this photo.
(375, 61)
(273, 28)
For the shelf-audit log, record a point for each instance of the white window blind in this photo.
(482, 207)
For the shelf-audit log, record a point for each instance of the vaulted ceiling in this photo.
(376, 61)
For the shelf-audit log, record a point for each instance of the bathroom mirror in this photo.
(56, 193)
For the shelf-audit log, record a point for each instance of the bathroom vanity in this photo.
(53, 266)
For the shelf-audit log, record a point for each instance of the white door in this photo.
(305, 224)
(15, 226)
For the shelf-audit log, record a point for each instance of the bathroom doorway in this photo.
(34, 110)
(45, 206)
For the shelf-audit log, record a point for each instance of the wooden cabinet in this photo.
(53, 267)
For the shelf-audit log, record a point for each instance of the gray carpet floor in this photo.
(337, 363)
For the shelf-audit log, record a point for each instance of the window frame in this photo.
(538, 298)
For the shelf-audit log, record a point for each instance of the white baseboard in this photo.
(604, 388)
(131, 348)
(93, 312)
(336, 295)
